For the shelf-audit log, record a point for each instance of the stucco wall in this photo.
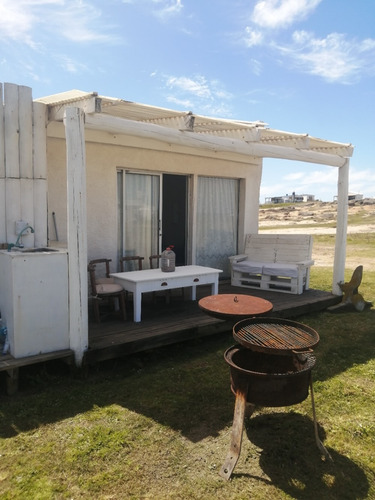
(102, 160)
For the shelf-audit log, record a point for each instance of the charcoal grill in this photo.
(269, 366)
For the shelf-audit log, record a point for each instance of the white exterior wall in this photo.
(103, 158)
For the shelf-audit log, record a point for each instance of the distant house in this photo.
(290, 198)
(352, 197)
(99, 177)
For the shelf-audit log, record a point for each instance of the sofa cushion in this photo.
(278, 269)
(248, 266)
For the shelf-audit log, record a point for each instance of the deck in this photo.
(165, 323)
(183, 320)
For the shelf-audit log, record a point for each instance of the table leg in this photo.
(137, 304)
(215, 287)
(193, 293)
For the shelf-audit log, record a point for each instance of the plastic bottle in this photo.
(4, 337)
(168, 260)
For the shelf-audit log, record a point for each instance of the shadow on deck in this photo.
(182, 320)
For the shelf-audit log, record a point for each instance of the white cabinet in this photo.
(34, 301)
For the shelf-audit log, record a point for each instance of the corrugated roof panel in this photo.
(256, 131)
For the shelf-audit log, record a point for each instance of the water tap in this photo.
(17, 243)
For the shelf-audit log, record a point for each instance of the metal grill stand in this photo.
(253, 386)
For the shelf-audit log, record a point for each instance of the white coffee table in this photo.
(152, 280)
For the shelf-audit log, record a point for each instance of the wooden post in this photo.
(77, 232)
(3, 237)
(341, 229)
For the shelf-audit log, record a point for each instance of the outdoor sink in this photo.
(34, 250)
(40, 250)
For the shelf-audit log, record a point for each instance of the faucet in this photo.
(17, 244)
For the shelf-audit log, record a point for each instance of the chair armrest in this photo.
(237, 258)
(305, 263)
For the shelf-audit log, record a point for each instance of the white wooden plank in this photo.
(40, 140)
(13, 205)
(25, 131)
(12, 156)
(2, 145)
(40, 212)
(27, 209)
(3, 232)
(77, 232)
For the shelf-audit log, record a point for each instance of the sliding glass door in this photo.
(141, 222)
(139, 214)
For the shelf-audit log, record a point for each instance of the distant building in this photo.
(290, 198)
(352, 197)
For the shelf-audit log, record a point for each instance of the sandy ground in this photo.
(286, 219)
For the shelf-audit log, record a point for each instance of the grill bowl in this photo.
(271, 380)
(275, 335)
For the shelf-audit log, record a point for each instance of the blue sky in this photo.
(304, 66)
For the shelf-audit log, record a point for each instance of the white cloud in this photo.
(69, 65)
(309, 181)
(81, 22)
(75, 20)
(282, 13)
(362, 181)
(168, 8)
(199, 87)
(334, 58)
(252, 37)
(199, 94)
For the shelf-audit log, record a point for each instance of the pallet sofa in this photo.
(279, 262)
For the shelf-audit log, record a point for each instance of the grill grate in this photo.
(275, 335)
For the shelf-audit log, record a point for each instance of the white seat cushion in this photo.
(248, 266)
(102, 281)
(277, 269)
(103, 288)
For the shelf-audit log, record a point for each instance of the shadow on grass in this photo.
(292, 461)
(346, 339)
(185, 387)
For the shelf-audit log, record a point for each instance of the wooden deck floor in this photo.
(182, 320)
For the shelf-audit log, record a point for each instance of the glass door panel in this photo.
(217, 222)
(141, 215)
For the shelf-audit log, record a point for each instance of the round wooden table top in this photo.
(227, 306)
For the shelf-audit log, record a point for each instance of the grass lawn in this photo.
(157, 425)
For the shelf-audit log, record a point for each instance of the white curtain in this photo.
(217, 222)
(141, 215)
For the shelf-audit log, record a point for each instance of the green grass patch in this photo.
(157, 425)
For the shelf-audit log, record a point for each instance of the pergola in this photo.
(23, 136)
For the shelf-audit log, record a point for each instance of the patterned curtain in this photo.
(141, 215)
(217, 222)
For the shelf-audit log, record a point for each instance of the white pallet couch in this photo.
(279, 262)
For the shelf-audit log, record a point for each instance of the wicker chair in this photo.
(104, 288)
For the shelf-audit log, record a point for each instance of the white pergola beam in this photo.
(117, 125)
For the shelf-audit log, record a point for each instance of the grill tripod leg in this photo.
(320, 445)
(240, 409)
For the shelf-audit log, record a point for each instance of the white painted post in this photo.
(3, 237)
(77, 231)
(341, 229)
